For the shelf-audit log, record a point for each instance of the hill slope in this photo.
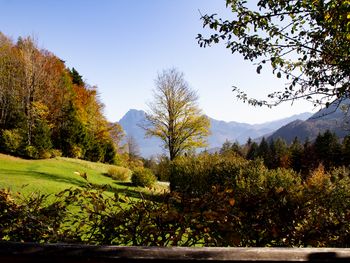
(50, 175)
(331, 118)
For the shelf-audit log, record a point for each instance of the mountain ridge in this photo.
(220, 131)
(331, 118)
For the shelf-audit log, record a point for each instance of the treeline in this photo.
(46, 109)
(302, 157)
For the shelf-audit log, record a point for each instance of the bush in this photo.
(11, 140)
(56, 153)
(45, 154)
(162, 169)
(196, 175)
(31, 152)
(119, 173)
(143, 177)
(76, 152)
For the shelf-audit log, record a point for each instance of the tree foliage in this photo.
(307, 42)
(45, 106)
(174, 115)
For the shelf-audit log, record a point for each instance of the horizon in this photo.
(268, 121)
(121, 46)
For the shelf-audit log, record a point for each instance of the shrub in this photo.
(162, 169)
(195, 175)
(56, 153)
(119, 173)
(31, 152)
(45, 154)
(143, 177)
(76, 152)
(11, 140)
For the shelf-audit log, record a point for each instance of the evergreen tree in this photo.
(252, 152)
(73, 138)
(346, 151)
(77, 79)
(328, 149)
(296, 151)
(281, 154)
(226, 147)
(264, 151)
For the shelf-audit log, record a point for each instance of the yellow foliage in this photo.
(318, 177)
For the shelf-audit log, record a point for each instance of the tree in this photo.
(328, 149)
(296, 151)
(305, 41)
(174, 116)
(77, 79)
(117, 134)
(133, 147)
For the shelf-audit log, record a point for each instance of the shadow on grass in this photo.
(127, 190)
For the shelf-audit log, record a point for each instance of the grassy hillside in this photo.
(54, 175)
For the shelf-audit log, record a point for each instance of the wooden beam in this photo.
(57, 253)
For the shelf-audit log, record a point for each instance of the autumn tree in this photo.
(117, 134)
(174, 116)
(33, 77)
(44, 106)
(10, 95)
(307, 42)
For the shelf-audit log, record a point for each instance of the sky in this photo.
(121, 46)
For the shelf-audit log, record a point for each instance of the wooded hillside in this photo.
(46, 109)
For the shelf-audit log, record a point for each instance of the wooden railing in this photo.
(57, 253)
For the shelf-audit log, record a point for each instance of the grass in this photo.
(54, 175)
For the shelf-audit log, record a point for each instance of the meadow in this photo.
(50, 176)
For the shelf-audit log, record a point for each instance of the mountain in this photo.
(235, 131)
(331, 118)
(220, 131)
(131, 123)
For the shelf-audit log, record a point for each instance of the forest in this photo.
(46, 109)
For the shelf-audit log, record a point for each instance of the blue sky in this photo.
(121, 45)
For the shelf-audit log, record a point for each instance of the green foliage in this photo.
(56, 153)
(174, 115)
(119, 173)
(32, 219)
(304, 41)
(42, 136)
(50, 106)
(328, 149)
(76, 77)
(76, 151)
(195, 175)
(31, 152)
(163, 169)
(143, 177)
(110, 152)
(258, 207)
(11, 141)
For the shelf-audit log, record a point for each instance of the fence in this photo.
(69, 253)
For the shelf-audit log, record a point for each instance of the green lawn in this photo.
(54, 175)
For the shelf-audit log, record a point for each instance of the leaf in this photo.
(258, 69)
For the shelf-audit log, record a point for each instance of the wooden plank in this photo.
(32, 252)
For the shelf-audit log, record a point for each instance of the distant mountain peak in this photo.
(134, 113)
(220, 131)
